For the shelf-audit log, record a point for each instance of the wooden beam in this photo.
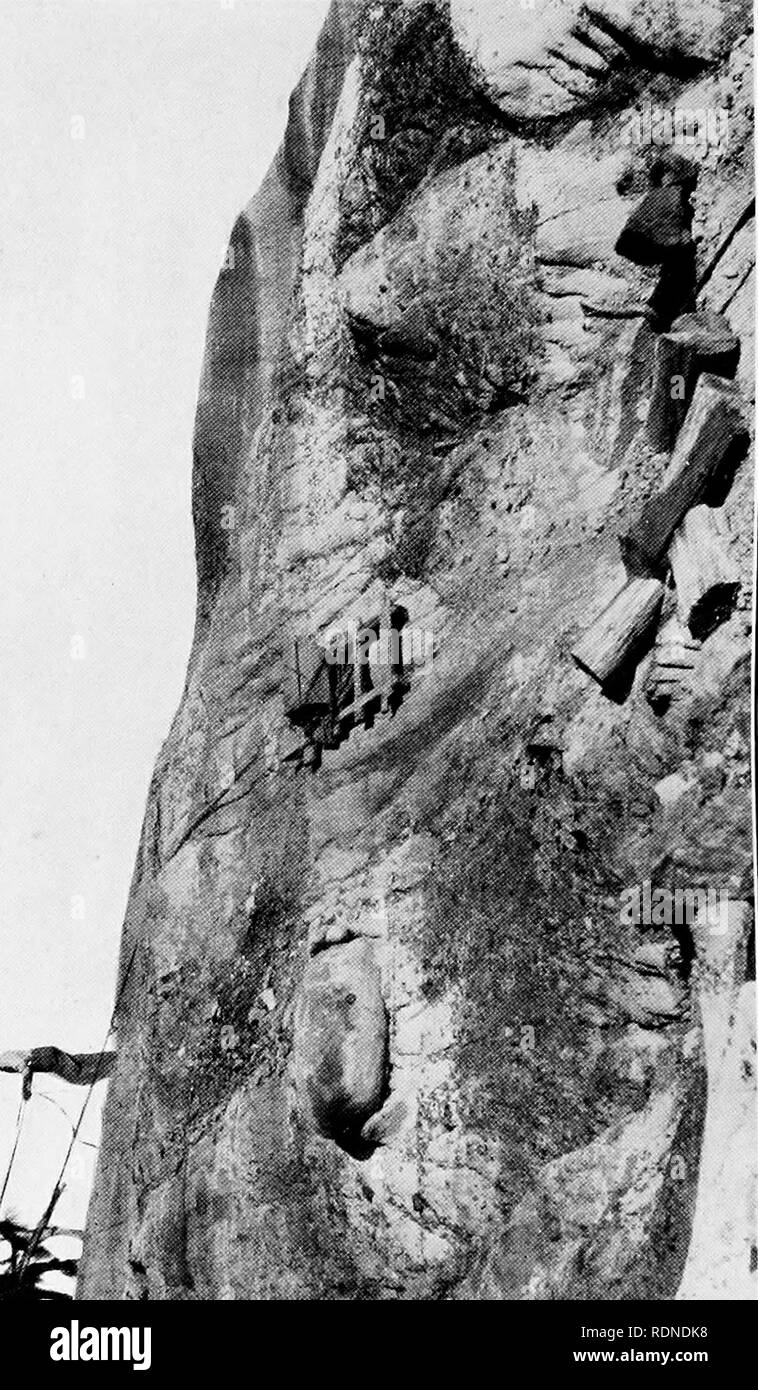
(305, 681)
(715, 423)
(368, 698)
(78, 1068)
(614, 637)
(696, 343)
(706, 576)
(384, 673)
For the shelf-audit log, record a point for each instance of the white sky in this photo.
(110, 246)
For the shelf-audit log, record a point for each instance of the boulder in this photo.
(555, 57)
(341, 1041)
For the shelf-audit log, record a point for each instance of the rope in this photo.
(14, 1150)
(58, 1188)
(42, 1095)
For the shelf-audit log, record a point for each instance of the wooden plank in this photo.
(370, 697)
(696, 343)
(620, 629)
(306, 681)
(715, 424)
(383, 672)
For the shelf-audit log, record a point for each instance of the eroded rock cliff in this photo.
(386, 1029)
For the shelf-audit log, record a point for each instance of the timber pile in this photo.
(696, 414)
(676, 530)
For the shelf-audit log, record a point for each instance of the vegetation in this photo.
(23, 1270)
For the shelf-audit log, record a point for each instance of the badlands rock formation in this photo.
(386, 1027)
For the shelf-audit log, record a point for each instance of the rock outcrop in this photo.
(429, 1015)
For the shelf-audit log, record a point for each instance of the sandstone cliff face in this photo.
(384, 1031)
